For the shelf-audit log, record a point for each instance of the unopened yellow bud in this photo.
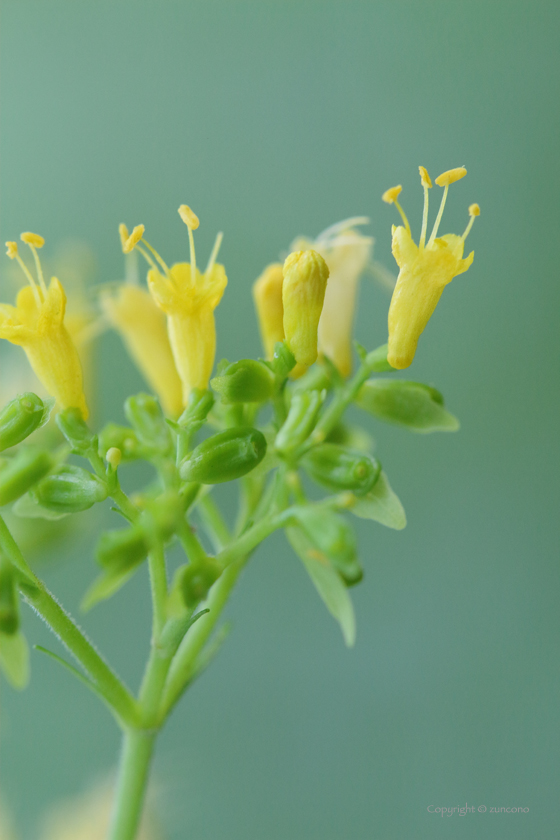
(190, 219)
(32, 239)
(124, 234)
(389, 196)
(267, 294)
(474, 210)
(113, 457)
(449, 177)
(133, 239)
(303, 292)
(12, 249)
(424, 177)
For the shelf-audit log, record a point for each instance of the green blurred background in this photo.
(274, 119)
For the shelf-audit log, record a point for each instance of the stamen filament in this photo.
(424, 217)
(147, 257)
(439, 215)
(468, 228)
(30, 279)
(131, 269)
(403, 217)
(157, 256)
(193, 254)
(214, 253)
(38, 268)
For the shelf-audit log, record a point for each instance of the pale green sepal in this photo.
(29, 508)
(48, 405)
(104, 587)
(327, 582)
(380, 504)
(414, 405)
(14, 659)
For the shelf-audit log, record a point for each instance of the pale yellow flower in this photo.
(188, 298)
(267, 294)
(37, 324)
(303, 292)
(347, 253)
(425, 269)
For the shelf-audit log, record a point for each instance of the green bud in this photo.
(341, 468)
(414, 405)
(113, 436)
(300, 421)
(122, 550)
(225, 456)
(76, 431)
(70, 490)
(199, 405)
(9, 612)
(21, 472)
(19, 418)
(376, 361)
(143, 412)
(194, 582)
(283, 360)
(332, 537)
(245, 381)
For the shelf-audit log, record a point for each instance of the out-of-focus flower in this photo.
(347, 253)
(37, 324)
(267, 294)
(188, 298)
(87, 817)
(425, 269)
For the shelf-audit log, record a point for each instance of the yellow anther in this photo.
(474, 210)
(113, 457)
(424, 177)
(133, 239)
(190, 219)
(390, 196)
(449, 177)
(123, 233)
(11, 249)
(32, 239)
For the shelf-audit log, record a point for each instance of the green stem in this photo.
(339, 405)
(138, 746)
(158, 583)
(213, 522)
(192, 546)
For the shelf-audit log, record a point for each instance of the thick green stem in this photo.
(138, 746)
(213, 522)
(158, 582)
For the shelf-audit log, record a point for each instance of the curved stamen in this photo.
(156, 255)
(214, 253)
(439, 215)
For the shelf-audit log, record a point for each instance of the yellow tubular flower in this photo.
(267, 294)
(425, 269)
(188, 298)
(133, 313)
(303, 292)
(36, 323)
(347, 252)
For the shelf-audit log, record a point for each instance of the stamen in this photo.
(474, 211)
(147, 257)
(32, 239)
(192, 222)
(29, 277)
(449, 177)
(439, 215)
(124, 234)
(426, 183)
(162, 263)
(35, 241)
(131, 274)
(390, 197)
(214, 253)
(133, 239)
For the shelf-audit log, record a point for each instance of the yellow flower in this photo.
(188, 298)
(36, 323)
(267, 294)
(425, 269)
(303, 292)
(346, 252)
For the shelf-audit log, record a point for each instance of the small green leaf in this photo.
(103, 587)
(328, 583)
(414, 405)
(29, 508)
(14, 659)
(381, 504)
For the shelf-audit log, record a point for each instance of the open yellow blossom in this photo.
(347, 252)
(188, 298)
(36, 323)
(425, 269)
(267, 294)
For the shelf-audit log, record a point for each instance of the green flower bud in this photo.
(245, 381)
(411, 404)
(76, 431)
(113, 436)
(9, 612)
(194, 582)
(303, 292)
(21, 472)
(341, 468)
(300, 421)
(332, 538)
(19, 418)
(283, 360)
(225, 456)
(376, 360)
(199, 405)
(119, 551)
(69, 490)
(143, 412)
